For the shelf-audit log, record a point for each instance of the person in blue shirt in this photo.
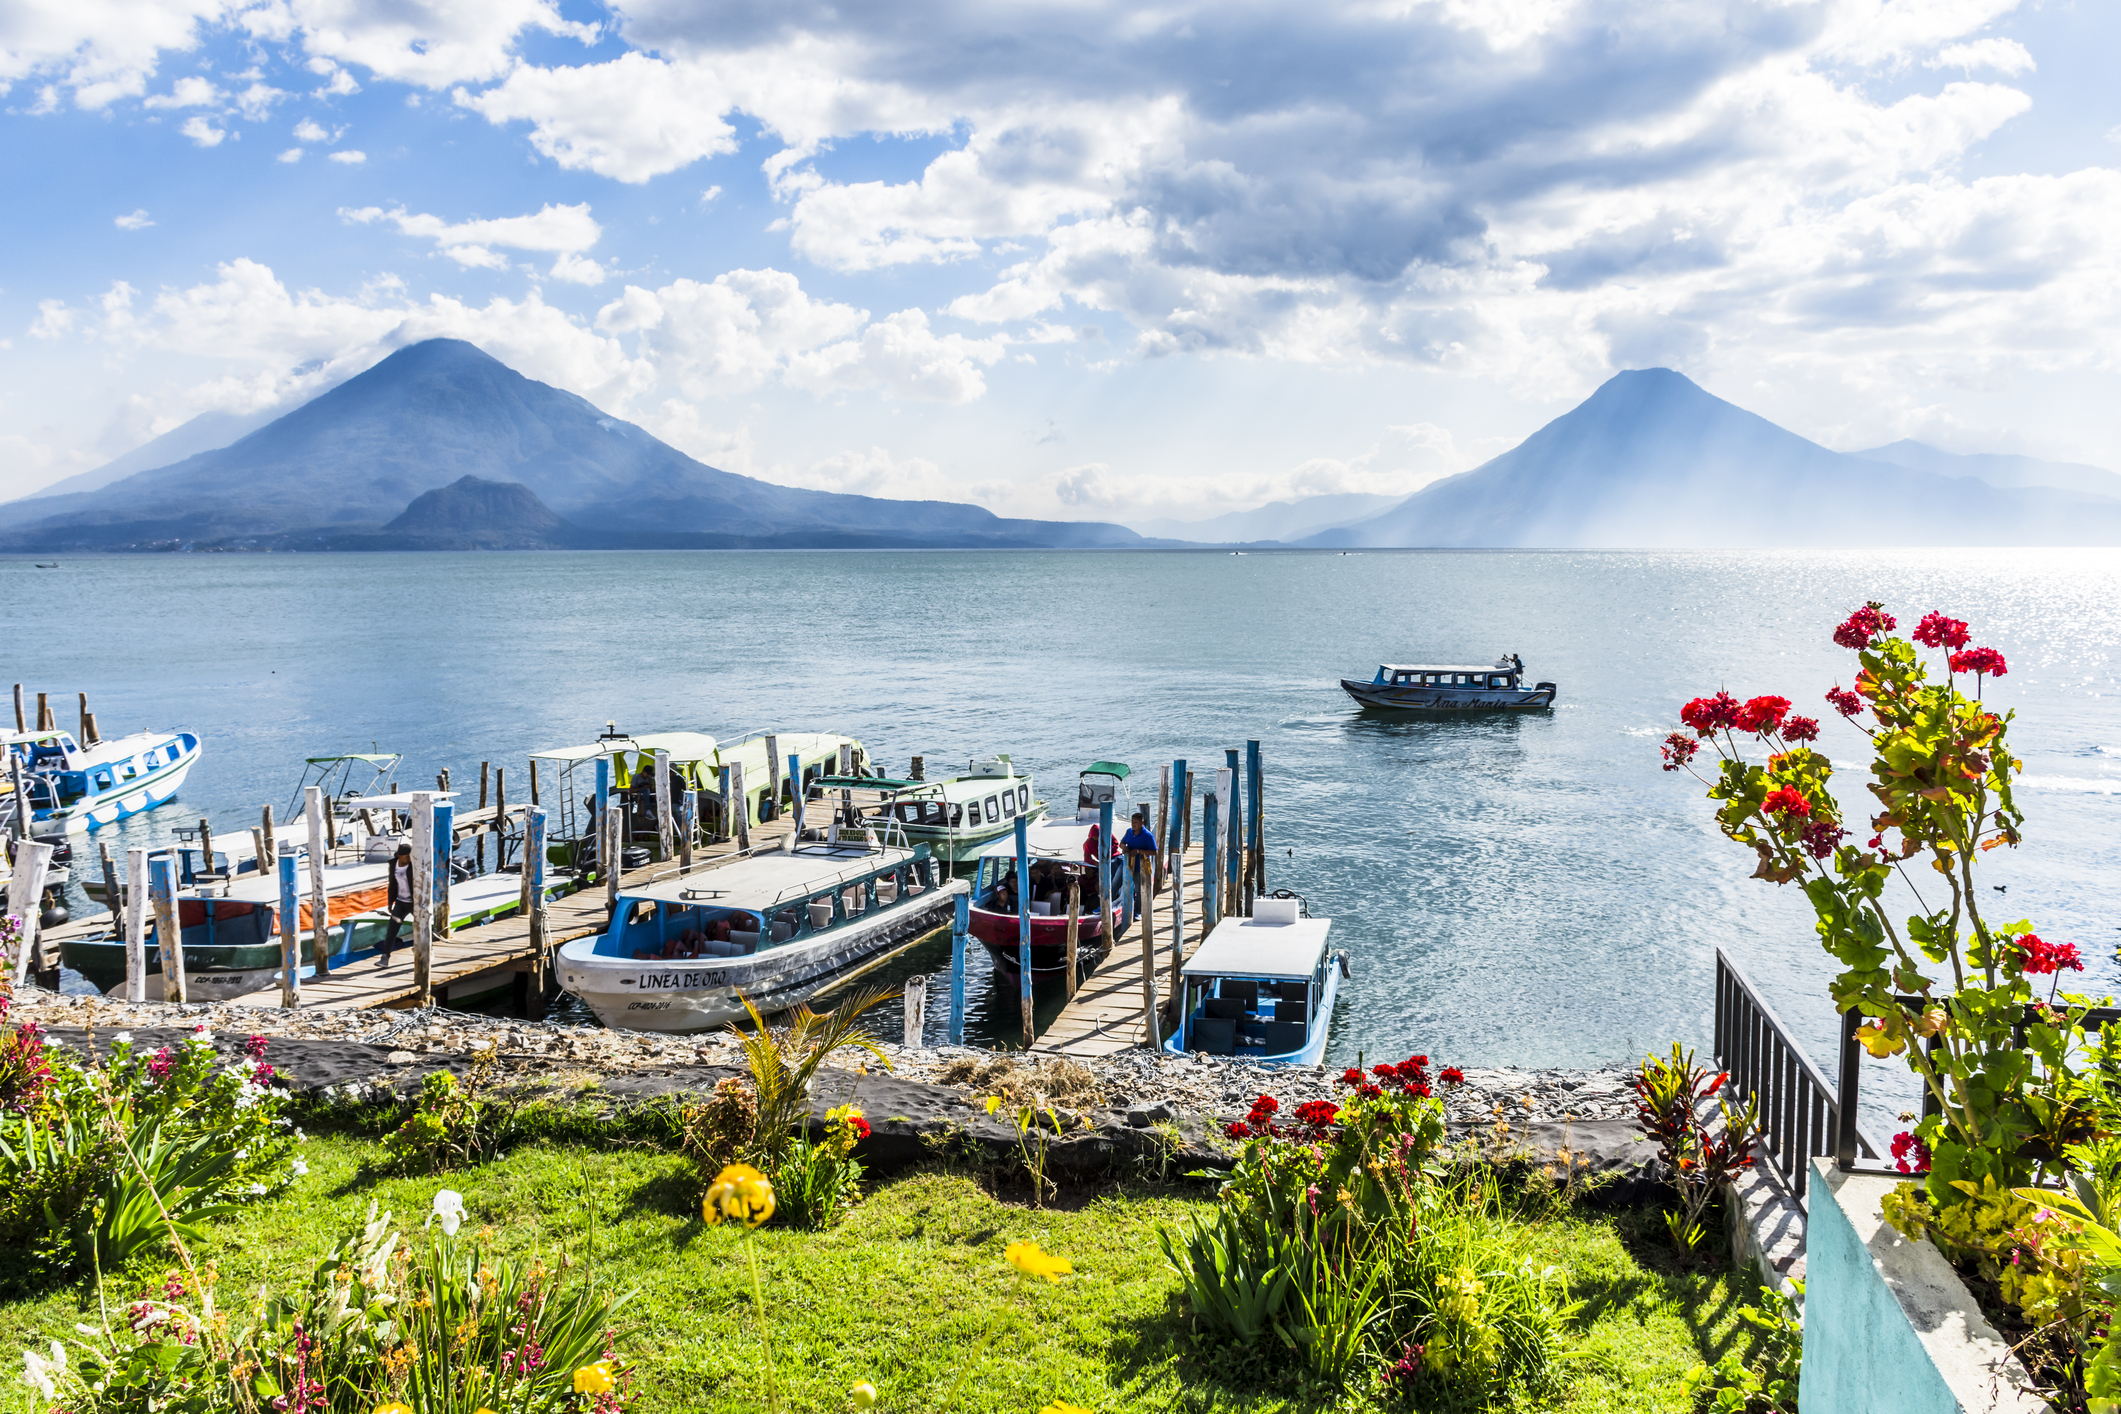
(1140, 836)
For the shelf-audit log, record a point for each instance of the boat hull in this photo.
(998, 933)
(1414, 698)
(956, 845)
(108, 808)
(1314, 1048)
(698, 995)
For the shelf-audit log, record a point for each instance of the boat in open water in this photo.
(1261, 988)
(1452, 687)
(73, 789)
(775, 927)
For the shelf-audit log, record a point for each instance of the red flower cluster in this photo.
(1979, 661)
(1905, 1147)
(1937, 631)
(262, 1076)
(1847, 703)
(1451, 1075)
(1409, 1077)
(1865, 625)
(1259, 1123)
(1762, 714)
(1317, 1114)
(1784, 801)
(1679, 749)
(1407, 1366)
(255, 1047)
(1822, 838)
(860, 1127)
(2042, 958)
(1800, 729)
(1709, 715)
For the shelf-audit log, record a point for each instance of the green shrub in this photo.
(817, 1178)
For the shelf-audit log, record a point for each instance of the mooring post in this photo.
(500, 818)
(319, 847)
(113, 896)
(423, 896)
(290, 930)
(1233, 862)
(1023, 925)
(268, 845)
(724, 828)
(666, 832)
(1075, 922)
(603, 806)
(445, 813)
(1142, 864)
(136, 924)
(21, 725)
(1181, 809)
(25, 899)
(795, 787)
(485, 771)
(1210, 876)
(1160, 823)
(916, 1018)
(612, 848)
(773, 775)
(1104, 875)
(169, 938)
(688, 816)
(960, 924)
(1257, 822)
(743, 806)
(534, 904)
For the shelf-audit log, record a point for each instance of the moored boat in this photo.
(1261, 988)
(777, 926)
(1059, 854)
(1451, 687)
(74, 789)
(956, 817)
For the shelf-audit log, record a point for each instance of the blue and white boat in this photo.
(74, 790)
(1261, 988)
(775, 927)
(1452, 687)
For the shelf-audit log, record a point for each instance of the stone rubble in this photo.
(1147, 1087)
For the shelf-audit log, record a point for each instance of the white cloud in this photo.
(191, 92)
(349, 157)
(292, 154)
(902, 356)
(430, 43)
(730, 334)
(136, 220)
(53, 320)
(255, 102)
(310, 130)
(99, 51)
(2005, 56)
(707, 196)
(201, 130)
(566, 229)
(577, 270)
(631, 119)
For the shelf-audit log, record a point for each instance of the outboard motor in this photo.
(55, 912)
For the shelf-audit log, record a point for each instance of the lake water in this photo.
(1515, 889)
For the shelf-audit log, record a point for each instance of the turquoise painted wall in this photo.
(1860, 1354)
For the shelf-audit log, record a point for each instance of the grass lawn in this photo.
(912, 1293)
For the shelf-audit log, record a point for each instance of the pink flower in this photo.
(1979, 661)
(1937, 631)
(1821, 838)
(1864, 625)
(255, 1047)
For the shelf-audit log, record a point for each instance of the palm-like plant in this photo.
(783, 1061)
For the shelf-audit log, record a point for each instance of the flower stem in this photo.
(758, 1301)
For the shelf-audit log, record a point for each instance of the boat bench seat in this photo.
(1215, 1036)
(1284, 1037)
(1223, 1008)
(1297, 1011)
(1246, 992)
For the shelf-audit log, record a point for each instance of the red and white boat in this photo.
(1059, 852)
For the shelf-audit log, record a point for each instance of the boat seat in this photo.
(1215, 1036)
(1223, 1008)
(1293, 991)
(1248, 992)
(1297, 1011)
(1283, 1037)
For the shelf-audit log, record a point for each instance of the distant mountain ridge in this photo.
(343, 471)
(1651, 460)
(1999, 468)
(1276, 520)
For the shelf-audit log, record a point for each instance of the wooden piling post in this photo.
(1141, 864)
(1185, 817)
(21, 821)
(1160, 822)
(688, 811)
(666, 828)
(25, 898)
(1105, 899)
(313, 813)
(21, 724)
(960, 924)
(269, 843)
(534, 780)
(1233, 883)
(1023, 926)
(113, 895)
(920, 768)
(1256, 819)
(914, 1032)
(773, 776)
(169, 938)
(87, 738)
(95, 733)
(1075, 914)
(423, 898)
(206, 849)
(611, 852)
(795, 785)
(259, 853)
(1210, 875)
(136, 924)
(290, 931)
(45, 721)
(743, 806)
(1181, 806)
(534, 904)
(485, 770)
(500, 817)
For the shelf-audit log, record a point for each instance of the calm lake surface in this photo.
(1515, 889)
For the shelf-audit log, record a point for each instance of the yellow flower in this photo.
(863, 1395)
(1028, 1259)
(740, 1193)
(393, 1408)
(590, 1379)
(994, 1102)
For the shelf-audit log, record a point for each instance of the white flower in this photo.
(201, 1037)
(257, 1190)
(301, 1169)
(449, 1207)
(39, 1371)
(123, 1038)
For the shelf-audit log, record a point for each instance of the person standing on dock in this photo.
(1140, 836)
(400, 885)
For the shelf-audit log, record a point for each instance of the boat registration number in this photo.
(681, 980)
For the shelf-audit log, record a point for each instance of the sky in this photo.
(1071, 258)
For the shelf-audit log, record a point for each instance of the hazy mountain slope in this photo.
(1277, 520)
(1999, 468)
(204, 433)
(1652, 460)
(436, 412)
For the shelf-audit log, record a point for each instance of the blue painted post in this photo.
(169, 940)
(1258, 836)
(1210, 900)
(1236, 839)
(600, 801)
(1174, 831)
(445, 849)
(960, 924)
(795, 786)
(728, 820)
(1023, 924)
(290, 935)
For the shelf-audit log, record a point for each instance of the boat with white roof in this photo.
(1452, 687)
(774, 927)
(1261, 988)
(73, 789)
(1058, 853)
(957, 817)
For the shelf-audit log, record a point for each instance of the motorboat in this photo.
(1058, 854)
(1261, 988)
(775, 927)
(74, 789)
(956, 817)
(1451, 687)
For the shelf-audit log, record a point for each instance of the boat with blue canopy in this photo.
(73, 789)
(1261, 988)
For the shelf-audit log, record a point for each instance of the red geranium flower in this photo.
(1709, 715)
(1822, 838)
(1979, 661)
(1318, 1113)
(1847, 703)
(2042, 958)
(1762, 714)
(1937, 631)
(255, 1047)
(1905, 1147)
(1238, 1130)
(1679, 749)
(1785, 801)
(1351, 1076)
(1369, 1092)
(1451, 1075)
(1864, 625)
(1800, 729)
(859, 1125)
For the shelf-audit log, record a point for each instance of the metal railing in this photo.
(1802, 1115)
